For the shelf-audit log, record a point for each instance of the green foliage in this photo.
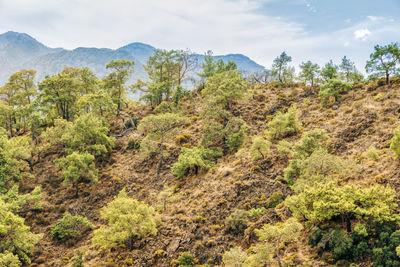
(383, 61)
(321, 202)
(194, 159)
(16, 201)
(395, 142)
(158, 128)
(320, 163)
(283, 125)
(133, 144)
(213, 135)
(179, 94)
(210, 66)
(280, 232)
(115, 81)
(59, 93)
(376, 241)
(280, 68)
(77, 167)
(224, 88)
(333, 239)
(272, 238)
(310, 157)
(16, 237)
(329, 71)
(163, 107)
(275, 199)
(372, 153)
(12, 168)
(237, 221)
(310, 141)
(333, 88)
(309, 72)
(10, 260)
(185, 259)
(127, 219)
(256, 212)
(70, 227)
(89, 134)
(348, 71)
(259, 147)
(16, 103)
(235, 133)
(166, 70)
(235, 257)
(99, 103)
(284, 147)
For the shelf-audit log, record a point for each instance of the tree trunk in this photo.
(387, 79)
(76, 189)
(161, 155)
(348, 224)
(10, 122)
(262, 155)
(131, 243)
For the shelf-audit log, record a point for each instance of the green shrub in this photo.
(275, 199)
(284, 147)
(127, 219)
(194, 159)
(185, 259)
(235, 133)
(237, 221)
(372, 153)
(213, 135)
(334, 240)
(310, 142)
(283, 125)
(395, 143)
(89, 134)
(256, 212)
(70, 227)
(16, 237)
(133, 144)
(259, 147)
(235, 257)
(333, 88)
(7, 259)
(77, 167)
(163, 107)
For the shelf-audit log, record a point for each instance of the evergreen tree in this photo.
(159, 128)
(280, 68)
(309, 72)
(127, 219)
(383, 61)
(115, 81)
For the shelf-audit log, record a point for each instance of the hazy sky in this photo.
(318, 30)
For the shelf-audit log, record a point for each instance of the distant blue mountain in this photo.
(21, 51)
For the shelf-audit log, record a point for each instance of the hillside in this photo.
(194, 218)
(21, 51)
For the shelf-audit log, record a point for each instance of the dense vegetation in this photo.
(271, 169)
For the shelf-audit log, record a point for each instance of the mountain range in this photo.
(21, 51)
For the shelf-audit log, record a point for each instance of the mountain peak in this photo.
(136, 45)
(16, 39)
(11, 35)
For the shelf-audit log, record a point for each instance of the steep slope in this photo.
(194, 215)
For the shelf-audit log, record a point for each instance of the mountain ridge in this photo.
(22, 51)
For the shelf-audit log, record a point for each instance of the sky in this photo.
(316, 30)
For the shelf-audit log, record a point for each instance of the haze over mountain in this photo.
(21, 51)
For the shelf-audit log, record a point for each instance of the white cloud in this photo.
(225, 26)
(362, 34)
